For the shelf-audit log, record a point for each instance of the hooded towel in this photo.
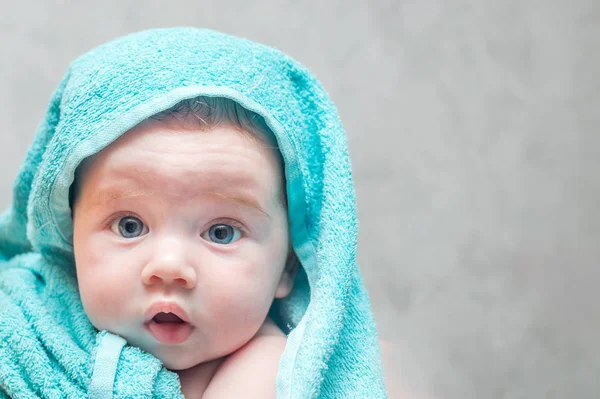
(49, 348)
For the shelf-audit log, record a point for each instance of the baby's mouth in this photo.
(163, 317)
(168, 323)
(169, 328)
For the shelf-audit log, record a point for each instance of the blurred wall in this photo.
(473, 130)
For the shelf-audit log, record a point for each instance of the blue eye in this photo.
(223, 233)
(131, 227)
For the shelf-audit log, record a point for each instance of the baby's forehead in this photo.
(192, 117)
(176, 126)
(172, 156)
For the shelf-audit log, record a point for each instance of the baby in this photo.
(181, 244)
(185, 221)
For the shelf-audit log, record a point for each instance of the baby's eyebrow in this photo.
(241, 198)
(106, 196)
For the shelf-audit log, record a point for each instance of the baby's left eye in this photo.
(222, 233)
(129, 227)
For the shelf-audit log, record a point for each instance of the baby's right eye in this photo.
(129, 227)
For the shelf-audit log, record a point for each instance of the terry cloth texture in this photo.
(48, 347)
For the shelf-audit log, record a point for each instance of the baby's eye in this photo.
(129, 227)
(222, 233)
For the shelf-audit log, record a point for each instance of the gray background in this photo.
(473, 133)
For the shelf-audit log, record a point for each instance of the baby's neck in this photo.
(195, 380)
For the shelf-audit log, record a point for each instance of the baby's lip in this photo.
(165, 307)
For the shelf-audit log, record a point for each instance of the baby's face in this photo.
(171, 220)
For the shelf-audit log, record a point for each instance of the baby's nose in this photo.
(169, 266)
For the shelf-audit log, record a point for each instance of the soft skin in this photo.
(178, 182)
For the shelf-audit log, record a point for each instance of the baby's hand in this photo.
(251, 371)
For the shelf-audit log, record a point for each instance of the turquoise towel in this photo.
(48, 348)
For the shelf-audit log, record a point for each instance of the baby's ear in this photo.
(286, 283)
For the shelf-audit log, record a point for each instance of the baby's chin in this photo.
(177, 359)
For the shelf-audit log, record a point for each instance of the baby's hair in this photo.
(204, 113)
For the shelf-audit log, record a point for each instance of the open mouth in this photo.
(168, 323)
(163, 317)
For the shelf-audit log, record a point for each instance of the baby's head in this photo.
(185, 214)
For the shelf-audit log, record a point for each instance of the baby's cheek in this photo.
(237, 312)
(102, 289)
(99, 301)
